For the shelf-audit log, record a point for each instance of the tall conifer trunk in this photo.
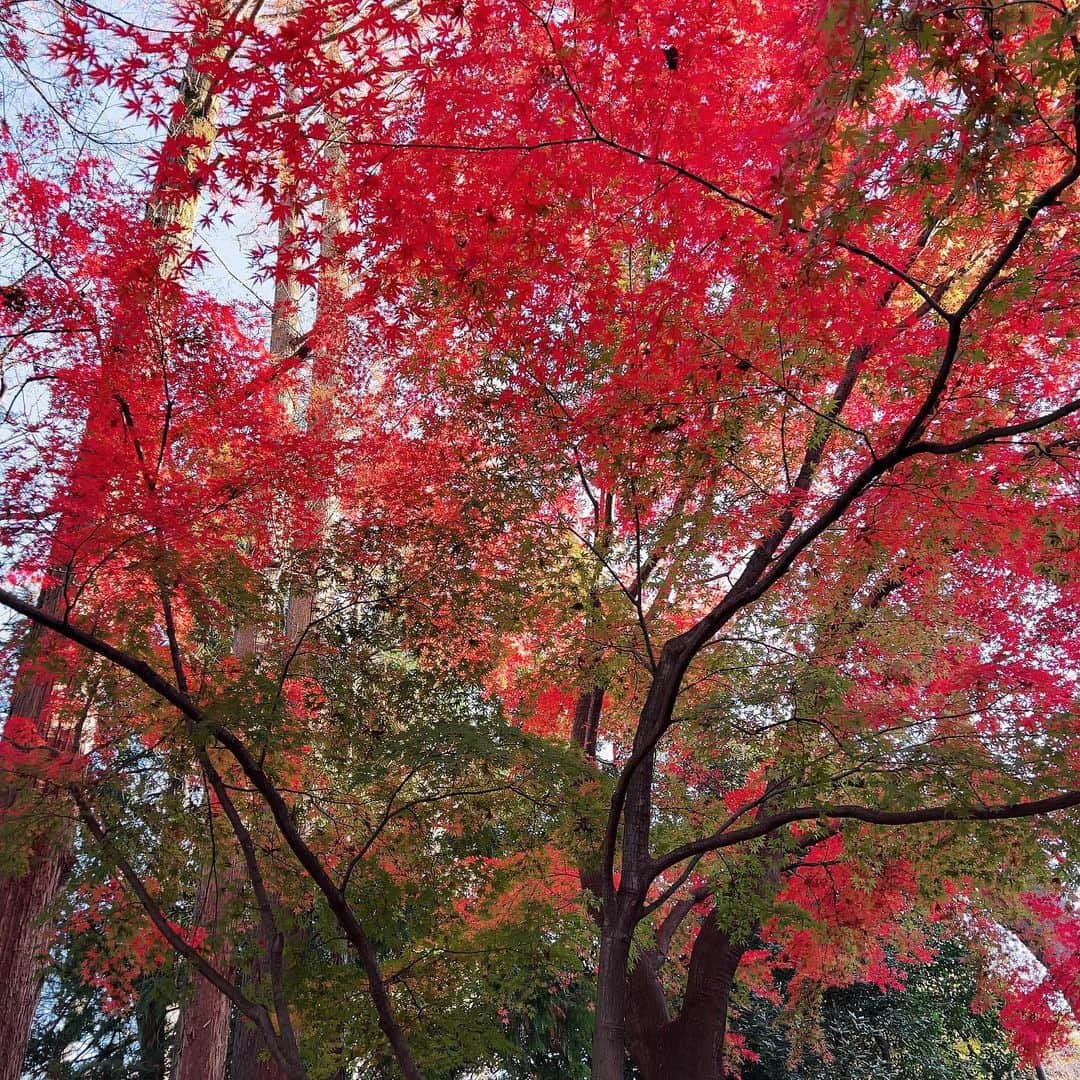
(197, 1061)
(249, 1060)
(203, 1031)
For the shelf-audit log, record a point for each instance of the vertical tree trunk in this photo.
(202, 1034)
(609, 1037)
(25, 930)
(250, 1061)
(204, 1028)
(647, 1012)
(692, 1046)
(27, 902)
(249, 1058)
(587, 720)
(152, 1025)
(621, 912)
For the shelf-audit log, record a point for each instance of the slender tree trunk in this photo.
(27, 902)
(587, 720)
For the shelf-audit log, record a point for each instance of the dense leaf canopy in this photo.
(509, 503)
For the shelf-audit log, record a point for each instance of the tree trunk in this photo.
(692, 1046)
(250, 1059)
(207, 1016)
(202, 1040)
(25, 933)
(621, 912)
(609, 1037)
(647, 1013)
(152, 1026)
(587, 720)
(27, 902)
(202, 1034)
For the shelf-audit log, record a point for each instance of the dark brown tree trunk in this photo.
(621, 911)
(152, 1025)
(618, 919)
(692, 1046)
(609, 1038)
(587, 720)
(647, 1012)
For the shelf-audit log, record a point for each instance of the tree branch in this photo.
(280, 810)
(995, 812)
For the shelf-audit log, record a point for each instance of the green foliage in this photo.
(931, 1030)
(552, 1039)
(75, 1037)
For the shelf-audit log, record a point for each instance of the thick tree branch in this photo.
(998, 812)
(690, 643)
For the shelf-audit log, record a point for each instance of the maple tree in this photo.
(653, 569)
